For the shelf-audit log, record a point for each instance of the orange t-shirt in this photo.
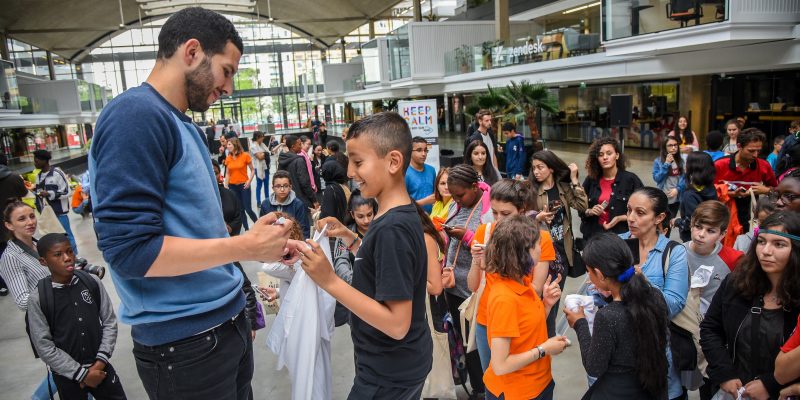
(237, 168)
(548, 254)
(77, 199)
(517, 313)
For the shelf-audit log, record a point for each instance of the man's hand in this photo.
(316, 265)
(93, 378)
(551, 292)
(266, 241)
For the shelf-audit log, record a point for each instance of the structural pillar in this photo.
(371, 29)
(122, 77)
(4, 54)
(418, 10)
(51, 69)
(501, 24)
(446, 115)
(344, 52)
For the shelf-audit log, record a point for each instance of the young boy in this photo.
(515, 152)
(285, 200)
(714, 141)
(391, 340)
(772, 158)
(709, 223)
(420, 176)
(72, 325)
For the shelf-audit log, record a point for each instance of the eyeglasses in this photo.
(785, 197)
(281, 187)
(672, 145)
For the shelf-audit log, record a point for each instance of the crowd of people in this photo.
(472, 252)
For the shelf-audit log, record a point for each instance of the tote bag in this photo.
(48, 221)
(439, 383)
(264, 280)
(468, 310)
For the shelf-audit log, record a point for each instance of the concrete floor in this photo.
(21, 373)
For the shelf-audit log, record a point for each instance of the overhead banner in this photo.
(422, 119)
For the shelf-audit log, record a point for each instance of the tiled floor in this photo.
(21, 373)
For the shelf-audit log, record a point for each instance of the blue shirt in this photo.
(772, 159)
(420, 184)
(515, 156)
(715, 155)
(151, 177)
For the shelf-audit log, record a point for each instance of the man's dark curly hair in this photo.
(211, 29)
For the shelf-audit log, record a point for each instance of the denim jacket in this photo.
(661, 172)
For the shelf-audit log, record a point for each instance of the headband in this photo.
(758, 230)
(627, 275)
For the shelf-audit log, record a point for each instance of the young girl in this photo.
(754, 311)
(478, 156)
(764, 207)
(521, 352)
(442, 195)
(687, 139)
(280, 270)
(699, 181)
(361, 211)
(626, 350)
(732, 128)
(667, 172)
(508, 198)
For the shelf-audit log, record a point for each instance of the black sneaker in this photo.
(4, 291)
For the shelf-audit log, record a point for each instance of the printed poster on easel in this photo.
(422, 119)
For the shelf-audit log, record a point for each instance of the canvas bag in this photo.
(468, 310)
(439, 383)
(48, 221)
(264, 280)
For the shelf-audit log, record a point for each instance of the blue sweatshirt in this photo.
(515, 156)
(151, 177)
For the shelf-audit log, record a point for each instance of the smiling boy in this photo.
(391, 340)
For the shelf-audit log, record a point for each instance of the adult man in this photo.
(293, 163)
(161, 229)
(745, 170)
(52, 186)
(210, 136)
(515, 152)
(484, 133)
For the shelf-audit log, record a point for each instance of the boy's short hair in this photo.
(508, 127)
(304, 138)
(386, 131)
(291, 140)
(418, 139)
(48, 241)
(281, 175)
(712, 213)
(714, 140)
(778, 139)
(332, 146)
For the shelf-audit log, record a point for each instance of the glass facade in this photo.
(8, 86)
(585, 113)
(626, 18)
(399, 54)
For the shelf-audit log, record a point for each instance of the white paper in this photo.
(574, 301)
(301, 334)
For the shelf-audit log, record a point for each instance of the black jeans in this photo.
(547, 393)
(217, 364)
(473, 360)
(246, 200)
(363, 390)
(109, 389)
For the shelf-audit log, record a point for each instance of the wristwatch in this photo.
(542, 353)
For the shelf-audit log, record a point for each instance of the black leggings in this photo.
(473, 360)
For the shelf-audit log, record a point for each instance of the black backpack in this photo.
(47, 300)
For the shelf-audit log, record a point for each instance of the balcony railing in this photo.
(626, 18)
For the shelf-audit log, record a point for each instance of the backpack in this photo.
(47, 300)
(458, 355)
(684, 332)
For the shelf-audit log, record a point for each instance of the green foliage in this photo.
(524, 98)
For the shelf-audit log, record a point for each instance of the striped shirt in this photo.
(22, 272)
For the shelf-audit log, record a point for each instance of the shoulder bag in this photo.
(439, 383)
(468, 310)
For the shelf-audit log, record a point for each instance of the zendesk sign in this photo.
(518, 51)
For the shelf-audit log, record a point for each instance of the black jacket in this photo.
(295, 165)
(690, 199)
(624, 185)
(232, 214)
(334, 200)
(719, 330)
(476, 135)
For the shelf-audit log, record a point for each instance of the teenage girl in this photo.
(478, 156)
(699, 181)
(667, 172)
(732, 128)
(442, 195)
(687, 139)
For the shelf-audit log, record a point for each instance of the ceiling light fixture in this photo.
(581, 8)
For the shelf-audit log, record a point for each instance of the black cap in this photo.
(43, 155)
(508, 127)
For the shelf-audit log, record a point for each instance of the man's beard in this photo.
(199, 86)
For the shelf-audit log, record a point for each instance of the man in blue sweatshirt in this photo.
(159, 224)
(515, 152)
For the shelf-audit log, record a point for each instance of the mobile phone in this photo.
(604, 204)
(481, 245)
(256, 288)
(448, 227)
(633, 244)
(554, 205)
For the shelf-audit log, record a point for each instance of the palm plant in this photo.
(525, 99)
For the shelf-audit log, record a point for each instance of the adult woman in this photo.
(626, 348)
(732, 128)
(754, 311)
(471, 210)
(317, 159)
(442, 195)
(480, 159)
(261, 161)
(647, 209)
(608, 187)
(239, 173)
(337, 194)
(687, 139)
(557, 192)
(521, 352)
(667, 171)
(20, 266)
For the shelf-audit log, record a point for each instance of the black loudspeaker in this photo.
(621, 109)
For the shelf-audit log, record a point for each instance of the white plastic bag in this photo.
(574, 301)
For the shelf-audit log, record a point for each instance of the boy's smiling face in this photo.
(61, 261)
(371, 171)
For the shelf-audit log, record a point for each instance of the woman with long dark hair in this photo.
(667, 172)
(626, 349)
(687, 139)
(608, 187)
(754, 311)
(478, 156)
(647, 210)
(699, 181)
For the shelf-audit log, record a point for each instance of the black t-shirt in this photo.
(557, 225)
(392, 265)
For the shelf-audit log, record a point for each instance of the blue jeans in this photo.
(482, 341)
(41, 392)
(81, 207)
(547, 393)
(64, 219)
(245, 199)
(259, 184)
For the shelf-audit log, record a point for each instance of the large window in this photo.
(625, 18)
